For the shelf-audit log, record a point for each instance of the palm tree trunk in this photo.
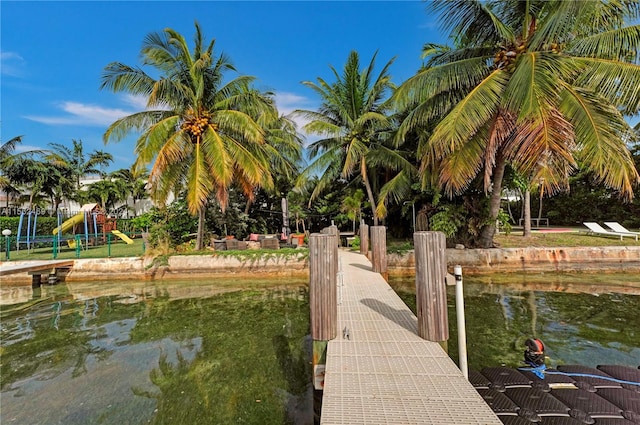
(527, 213)
(367, 186)
(489, 230)
(200, 237)
(247, 206)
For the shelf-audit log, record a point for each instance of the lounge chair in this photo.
(596, 229)
(617, 227)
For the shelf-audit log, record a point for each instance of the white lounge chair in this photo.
(596, 229)
(617, 227)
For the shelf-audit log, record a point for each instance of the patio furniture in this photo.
(617, 227)
(596, 229)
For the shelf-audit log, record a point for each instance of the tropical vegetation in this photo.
(203, 134)
(525, 111)
(541, 86)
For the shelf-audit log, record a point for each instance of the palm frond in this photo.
(617, 81)
(466, 118)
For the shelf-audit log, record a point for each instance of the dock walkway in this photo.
(384, 373)
(7, 268)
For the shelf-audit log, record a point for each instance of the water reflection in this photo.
(583, 319)
(144, 352)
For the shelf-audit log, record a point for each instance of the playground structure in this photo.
(90, 224)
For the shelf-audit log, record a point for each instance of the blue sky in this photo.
(53, 54)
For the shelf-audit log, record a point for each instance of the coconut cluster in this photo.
(506, 58)
(195, 126)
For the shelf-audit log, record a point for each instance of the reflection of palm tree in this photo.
(533, 306)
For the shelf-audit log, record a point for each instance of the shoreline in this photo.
(614, 259)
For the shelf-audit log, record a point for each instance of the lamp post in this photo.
(7, 237)
(413, 206)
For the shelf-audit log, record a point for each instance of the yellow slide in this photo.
(68, 225)
(122, 236)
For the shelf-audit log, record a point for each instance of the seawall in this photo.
(611, 259)
(534, 260)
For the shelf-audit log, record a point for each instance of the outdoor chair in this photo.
(596, 229)
(617, 227)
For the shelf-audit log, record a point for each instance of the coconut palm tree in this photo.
(197, 130)
(354, 123)
(540, 84)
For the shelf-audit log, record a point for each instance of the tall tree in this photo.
(540, 84)
(7, 156)
(34, 176)
(197, 130)
(76, 162)
(133, 182)
(354, 122)
(106, 192)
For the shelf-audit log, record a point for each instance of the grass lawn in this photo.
(117, 249)
(539, 239)
(566, 238)
(513, 240)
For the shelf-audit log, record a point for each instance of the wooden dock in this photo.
(36, 269)
(384, 373)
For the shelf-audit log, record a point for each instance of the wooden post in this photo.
(332, 230)
(431, 291)
(379, 249)
(323, 269)
(364, 238)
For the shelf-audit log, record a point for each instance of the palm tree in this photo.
(7, 156)
(541, 85)
(133, 182)
(352, 206)
(76, 163)
(106, 192)
(33, 176)
(354, 123)
(197, 130)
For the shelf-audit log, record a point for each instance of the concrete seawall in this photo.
(570, 259)
(563, 259)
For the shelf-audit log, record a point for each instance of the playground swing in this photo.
(30, 237)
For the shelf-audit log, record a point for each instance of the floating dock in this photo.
(379, 371)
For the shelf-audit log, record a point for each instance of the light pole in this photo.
(413, 206)
(7, 237)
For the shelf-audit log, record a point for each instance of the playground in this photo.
(90, 229)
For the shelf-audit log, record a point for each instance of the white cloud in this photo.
(138, 102)
(289, 102)
(82, 114)
(27, 148)
(12, 64)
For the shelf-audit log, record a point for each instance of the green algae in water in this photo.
(156, 354)
(582, 319)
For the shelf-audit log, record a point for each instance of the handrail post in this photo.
(462, 332)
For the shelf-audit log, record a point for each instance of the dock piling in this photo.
(431, 292)
(379, 250)
(364, 238)
(323, 270)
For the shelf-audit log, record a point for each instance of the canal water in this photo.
(585, 319)
(237, 352)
